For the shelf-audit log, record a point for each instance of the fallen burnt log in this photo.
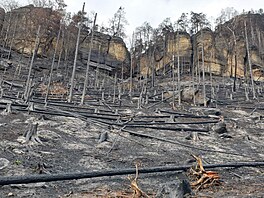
(144, 123)
(25, 179)
(168, 128)
(245, 107)
(92, 114)
(49, 112)
(178, 143)
(150, 126)
(186, 115)
(13, 84)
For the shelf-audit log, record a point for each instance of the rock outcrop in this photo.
(163, 51)
(109, 51)
(23, 25)
(225, 45)
(219, 49)
(106, 50)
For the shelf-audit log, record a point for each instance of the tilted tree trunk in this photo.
(7, 30)
(28, 84)
(115, 83)
(235, 52)
(96, 83)
(75, 57)
(173, 82)
(131, 66)
(179, 72)
(62, 46)
(88, 63)
(31, 135)
(52, 66)
(249, 62)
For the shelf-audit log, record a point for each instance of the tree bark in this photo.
(88, 63)
(52, 66)
(249, 62)
(75, 57)
(107, 173)
(27, 88)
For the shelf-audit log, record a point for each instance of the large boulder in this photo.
(175, 189)
(188, 94)
(107, 50)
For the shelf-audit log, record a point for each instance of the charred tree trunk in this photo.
(88, 63)
(52, 66)
(249, 62)
(235, 52)
(131, 67)
(75, 57)
(32, 134)
(28, 83)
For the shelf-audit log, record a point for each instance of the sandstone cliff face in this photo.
(162, 52)
(224, 46)
(218, 49)
(25, 21)
(105, 49)
(24, 24)
(214, 59)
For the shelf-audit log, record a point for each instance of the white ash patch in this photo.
(49, 135)
(92, 163)
(31, 120)
(104, 145)
(16, 170)
(75, 146)
(240, 113)
(6, 143)
(49, 123)
(17, 121)
(72, 126)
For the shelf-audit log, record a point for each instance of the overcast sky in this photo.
(155, 11)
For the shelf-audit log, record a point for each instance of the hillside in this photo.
(218, 46)
(177, 116)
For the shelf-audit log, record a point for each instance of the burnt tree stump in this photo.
(32, 134)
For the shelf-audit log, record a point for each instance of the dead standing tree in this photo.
(29, 80)
(52, 66)
(5, 37)
(178, 67)
(204, 91)
(249, 62)
(75, 56)
(88, 62)
(235, 52)
(131, 66)
(12, 38)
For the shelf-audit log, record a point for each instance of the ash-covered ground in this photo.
(104, 134)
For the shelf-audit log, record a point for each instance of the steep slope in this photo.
(22, 24)
(220, 47)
